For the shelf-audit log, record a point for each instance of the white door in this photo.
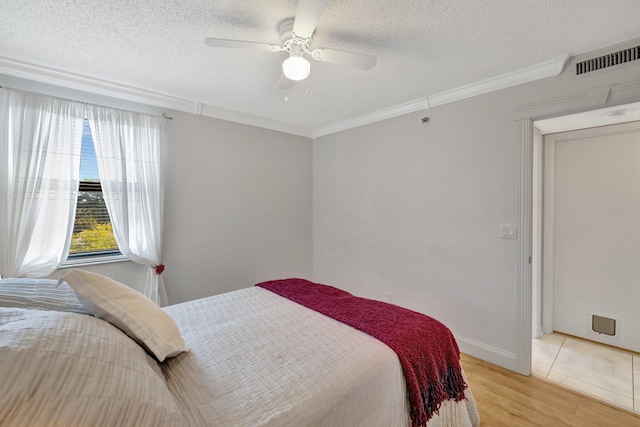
(591, 232)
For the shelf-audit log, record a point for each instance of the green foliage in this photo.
(84, 222)
(91, 211)
(99, 237)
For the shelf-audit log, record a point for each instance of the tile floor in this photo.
(607, 373)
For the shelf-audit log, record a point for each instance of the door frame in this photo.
(525, 117)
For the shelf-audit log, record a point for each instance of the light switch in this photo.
(508, 231)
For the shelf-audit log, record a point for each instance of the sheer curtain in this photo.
(40, 141)
(128, 147)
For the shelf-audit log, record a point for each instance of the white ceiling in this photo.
(424, 47)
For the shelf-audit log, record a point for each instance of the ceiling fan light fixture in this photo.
(296, 68)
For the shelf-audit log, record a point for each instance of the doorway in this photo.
(586, 206)
(585, 184)
(525, 116)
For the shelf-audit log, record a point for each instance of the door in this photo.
(591, 232)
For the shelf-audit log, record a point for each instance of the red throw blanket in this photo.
(428, 353)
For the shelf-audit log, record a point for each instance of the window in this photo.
(92, 231)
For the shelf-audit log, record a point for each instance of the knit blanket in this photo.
(427, 350)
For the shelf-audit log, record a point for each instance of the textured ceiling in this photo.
(423, 47)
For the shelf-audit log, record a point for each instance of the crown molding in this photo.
(75, 81)
(545, 69)
(96, 86)
(549, 68)
(71, 80)
(387, 113)
(247, 119)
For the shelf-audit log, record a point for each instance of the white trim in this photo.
(619, 94)
(71, 80)
(548, 230)
(387, 113)
(549, 68)
(487, 353)
(536, 234)
(523, 288)
(92, 260)
(247, 119)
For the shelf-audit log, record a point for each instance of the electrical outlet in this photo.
(388, 296)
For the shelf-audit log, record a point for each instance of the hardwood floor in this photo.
(505, 398)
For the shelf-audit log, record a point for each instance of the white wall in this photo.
(415, 210)
(596, 234)
(238, 206)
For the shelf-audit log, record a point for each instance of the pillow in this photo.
(129, 310)
(43, 294)
(69, 369)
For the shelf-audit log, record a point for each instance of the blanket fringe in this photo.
(450, 386)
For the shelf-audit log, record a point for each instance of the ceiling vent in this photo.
(609, 60)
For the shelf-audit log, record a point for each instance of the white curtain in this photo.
(40, 142)
(129, 151)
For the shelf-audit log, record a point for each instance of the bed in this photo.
(245, 358)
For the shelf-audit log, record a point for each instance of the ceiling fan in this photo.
(295, 39)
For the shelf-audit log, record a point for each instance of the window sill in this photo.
(93, 260)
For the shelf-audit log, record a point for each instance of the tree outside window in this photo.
(92, 231)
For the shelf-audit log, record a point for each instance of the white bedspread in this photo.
(258, 359)
(69, 369)
(42, 294)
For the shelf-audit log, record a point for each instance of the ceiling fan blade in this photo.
(239, 44)
(340, 57)
(307, 16)
(285, 83)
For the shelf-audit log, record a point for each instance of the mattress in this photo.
(258, 359)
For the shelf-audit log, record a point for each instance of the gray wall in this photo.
(415, 210)
(238, 206)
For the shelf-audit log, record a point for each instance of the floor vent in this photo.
(609, 60)
(603, 325)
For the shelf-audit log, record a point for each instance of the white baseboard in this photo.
(485, 352)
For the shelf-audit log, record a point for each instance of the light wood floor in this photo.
(505, 398)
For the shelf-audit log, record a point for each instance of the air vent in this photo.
(603, 325)
(606, 61)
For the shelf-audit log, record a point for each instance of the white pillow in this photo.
(129, 310)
